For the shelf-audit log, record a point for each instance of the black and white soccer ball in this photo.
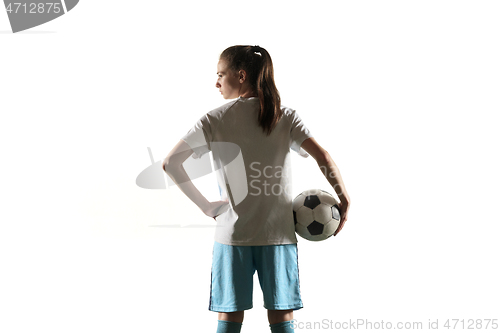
(316, 214)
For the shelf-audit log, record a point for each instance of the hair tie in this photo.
(257, 49)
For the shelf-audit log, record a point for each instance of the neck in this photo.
(249, 94)
(246, 91)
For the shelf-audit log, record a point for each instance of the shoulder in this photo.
(286, 109)
(288, 113)
(217, 113)
(214, 116)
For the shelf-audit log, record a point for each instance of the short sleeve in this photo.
(298, 133)
(199, 137)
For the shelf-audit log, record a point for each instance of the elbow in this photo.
(164, 165)
(170, 164)
(325, 157)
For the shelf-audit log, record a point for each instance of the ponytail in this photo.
(257, 62)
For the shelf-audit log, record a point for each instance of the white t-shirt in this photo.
(253, 171)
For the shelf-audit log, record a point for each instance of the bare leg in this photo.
(235, 317)
(279, 316)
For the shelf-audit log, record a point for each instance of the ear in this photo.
(242, 75)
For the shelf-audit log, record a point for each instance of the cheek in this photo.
(233, 83)
(226, 84)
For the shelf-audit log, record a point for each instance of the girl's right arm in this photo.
(332, 174)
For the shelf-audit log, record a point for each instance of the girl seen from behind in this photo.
(250, 139)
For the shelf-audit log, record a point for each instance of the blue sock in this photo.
(228, 327)
(283, 327)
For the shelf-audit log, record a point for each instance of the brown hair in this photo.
(257, 62)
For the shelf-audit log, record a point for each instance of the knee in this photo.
(279, 316)
(236, 317)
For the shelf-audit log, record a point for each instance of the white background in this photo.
(402, 94)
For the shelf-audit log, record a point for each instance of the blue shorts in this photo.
(233, 268)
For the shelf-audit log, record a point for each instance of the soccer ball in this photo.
(316, 215)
